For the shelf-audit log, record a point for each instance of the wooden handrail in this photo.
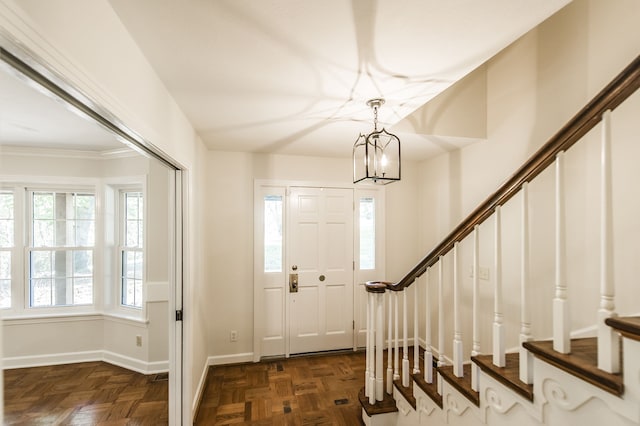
(620, 88)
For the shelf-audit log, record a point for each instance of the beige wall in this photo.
(533, 88)
(229, 203)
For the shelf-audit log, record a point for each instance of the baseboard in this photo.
(50, 359)
(136, 365)
(87, 356)
(230, 359)
(197, 398)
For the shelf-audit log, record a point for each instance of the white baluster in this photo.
(525, 357)
(371, 350)
(476, 308)
(416, 340)
(440, 319)
(379, 346)
(457, 331)
(608, 339)
(561, 327)
(499, 358)
(390, 348)
(396, 354)
(367, 373)
(428, 353)
(405, 341)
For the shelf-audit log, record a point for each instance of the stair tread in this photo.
(509, 375)
(431, 389)
(627, 326)
(582, 362)
(462, 384)
(387, 405)
(407, 392)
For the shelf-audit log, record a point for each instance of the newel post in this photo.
(608, 339)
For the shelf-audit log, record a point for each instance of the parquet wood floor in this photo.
(310, 390)
(90, 393)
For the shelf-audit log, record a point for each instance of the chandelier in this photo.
(376, 156)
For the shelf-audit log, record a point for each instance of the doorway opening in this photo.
(315, 245)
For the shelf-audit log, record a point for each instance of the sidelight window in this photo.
(273, 233)
(367, 233)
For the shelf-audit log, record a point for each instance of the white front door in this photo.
(321, 254)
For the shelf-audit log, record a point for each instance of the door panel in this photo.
(321, 250)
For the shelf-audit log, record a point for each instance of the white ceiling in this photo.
(30, 117)
(293, 77)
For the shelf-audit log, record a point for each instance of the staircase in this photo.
(559, 376)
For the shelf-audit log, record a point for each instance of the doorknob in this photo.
(321, 277)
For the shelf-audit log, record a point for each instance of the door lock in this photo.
(293, 283)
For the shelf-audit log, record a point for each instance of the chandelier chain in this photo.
(375, 118)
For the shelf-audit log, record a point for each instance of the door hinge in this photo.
(354, 265)
(353, 325)
(179, 315)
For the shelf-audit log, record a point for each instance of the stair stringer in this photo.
(570, 399)
(631, 376)
(456, 406)
(386, 419)
(498, 398)
(428, 411)
(406, 414)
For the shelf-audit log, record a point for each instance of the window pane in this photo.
(43, 205)
(82, 263)
(367, 233)
(273, 233)
(82, 291)
(41, 292)
(41, 264)
(5, 279)
(132, 272)
(84, 206)
(43, 233)
(133, 219)
(84, 231)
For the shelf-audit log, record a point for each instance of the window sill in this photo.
(71, 317)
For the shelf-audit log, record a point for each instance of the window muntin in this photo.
(61, 253)
(367, 233)
(273, 233)
(131, 251)
(7, 231)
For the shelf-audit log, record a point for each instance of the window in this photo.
(367, 233)
(6, 245)
(273, 233)
(62, 241)
(131, 248)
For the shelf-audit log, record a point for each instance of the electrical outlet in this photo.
(233, 336)
(138, 340)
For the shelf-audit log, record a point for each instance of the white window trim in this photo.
(106, 292)
(27, 217)
(113, 306)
